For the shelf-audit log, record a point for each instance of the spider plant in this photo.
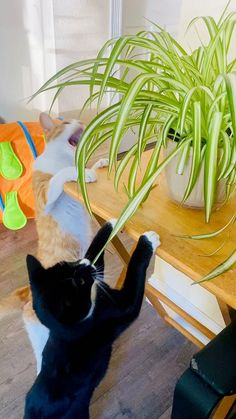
(231, 259)
(165, 93)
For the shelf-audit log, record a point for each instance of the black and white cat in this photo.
(84, 316)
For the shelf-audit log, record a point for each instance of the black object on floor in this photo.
(210, 377)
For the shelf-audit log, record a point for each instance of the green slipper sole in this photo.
(10, 166)
(13, 216)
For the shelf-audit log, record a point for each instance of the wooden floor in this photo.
(147, 360)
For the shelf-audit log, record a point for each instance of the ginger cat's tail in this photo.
(15, 301)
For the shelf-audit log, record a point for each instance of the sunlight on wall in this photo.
(38, 22)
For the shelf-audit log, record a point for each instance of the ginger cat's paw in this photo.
(100, 164)
(90, 176)
(153, 238)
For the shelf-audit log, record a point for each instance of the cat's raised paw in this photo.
(90, 176)
(153, 238)
(101, 163)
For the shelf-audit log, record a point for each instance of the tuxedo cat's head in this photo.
(63, 294)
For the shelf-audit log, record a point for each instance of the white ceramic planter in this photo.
(177, 183)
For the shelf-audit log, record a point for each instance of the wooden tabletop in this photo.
(167, 218)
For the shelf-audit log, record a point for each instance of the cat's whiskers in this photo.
(101, 286)
(101, 273)
(99, 278)
(103, 278)
(99, 269)
(107, 274)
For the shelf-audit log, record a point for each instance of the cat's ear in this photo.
(34, 266)
(46, 122)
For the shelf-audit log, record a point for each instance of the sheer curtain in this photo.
(27, 56)
(39, 37)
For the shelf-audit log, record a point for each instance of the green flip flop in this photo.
(10, 166)
(13, 216)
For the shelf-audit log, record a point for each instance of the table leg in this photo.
(156, 303)
(224, 407)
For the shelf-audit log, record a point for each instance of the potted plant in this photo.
(185, 103)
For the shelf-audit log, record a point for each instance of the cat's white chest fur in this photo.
(72, 219)
(58, 160)
(57, 155)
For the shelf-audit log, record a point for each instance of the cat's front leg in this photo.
(133, 289)
(56, 185)
(98, 243)
(37, 332)
(57, 182)
(90, 174)
(100, 164)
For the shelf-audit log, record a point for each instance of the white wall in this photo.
(39, 37)
(165, 13)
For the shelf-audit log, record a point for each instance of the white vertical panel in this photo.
(116, 18)
(81, 29)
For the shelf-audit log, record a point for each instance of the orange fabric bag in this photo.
(27, 141)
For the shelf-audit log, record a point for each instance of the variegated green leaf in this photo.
(212, 234)
(183, 159)
(220, 269)
(210, 167)
(196, 147)
(142, 129)
(166, 128)
(225, 159)
(115, 54)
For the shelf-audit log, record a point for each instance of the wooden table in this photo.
(169, 219)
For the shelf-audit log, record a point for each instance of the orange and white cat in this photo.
(55, 211)
(63, 225)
